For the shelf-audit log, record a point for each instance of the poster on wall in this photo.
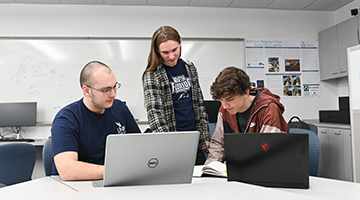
(289, 68)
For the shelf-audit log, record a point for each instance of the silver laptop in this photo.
(149, 159)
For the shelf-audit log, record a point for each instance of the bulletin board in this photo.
(289, 68)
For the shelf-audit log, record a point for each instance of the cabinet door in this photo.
(336, 153)
(328, 53)
(324, 169)
(348, 173)
(347, 37)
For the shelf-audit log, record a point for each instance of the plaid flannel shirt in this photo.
(160, 107)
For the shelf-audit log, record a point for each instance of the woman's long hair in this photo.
(162, 34)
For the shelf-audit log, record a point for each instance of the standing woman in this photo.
(173, 97)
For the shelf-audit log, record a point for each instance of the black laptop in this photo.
(268, 159)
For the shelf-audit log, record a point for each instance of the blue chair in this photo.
(212, 127)
(17, 162)
(314, 150)
(48, 159)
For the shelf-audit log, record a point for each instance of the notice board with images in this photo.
(289, 68)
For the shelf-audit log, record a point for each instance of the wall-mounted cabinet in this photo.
(328, 54)
(347, 37)
(333, 44)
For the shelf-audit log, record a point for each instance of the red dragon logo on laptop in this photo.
(265, 146)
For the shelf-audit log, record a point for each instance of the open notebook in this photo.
(149, 159)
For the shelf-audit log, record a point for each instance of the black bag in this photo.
(298, 123)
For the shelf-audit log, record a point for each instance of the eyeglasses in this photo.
(107, 91)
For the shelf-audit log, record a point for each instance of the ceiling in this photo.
(314, 5)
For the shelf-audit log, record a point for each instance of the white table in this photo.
(36, 143)
(330, 189)
(208, 191)
(43, 188)
(205, 188)
(320, 188)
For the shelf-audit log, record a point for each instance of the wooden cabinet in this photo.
(333, 44)
(335, 154)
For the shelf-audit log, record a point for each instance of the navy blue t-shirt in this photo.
(180, 85)
(76, 128)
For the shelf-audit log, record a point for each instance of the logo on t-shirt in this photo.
(121, 128)
(180, 84)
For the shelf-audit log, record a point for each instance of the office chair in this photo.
(314, 150)
(212, 127)
(48, 159)
(17, 162)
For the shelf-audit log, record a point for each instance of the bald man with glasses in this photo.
(79, 130)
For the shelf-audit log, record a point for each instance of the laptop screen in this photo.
(268, 159)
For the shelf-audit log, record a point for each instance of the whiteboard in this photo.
(47, 70)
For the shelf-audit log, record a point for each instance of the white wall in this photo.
(141, 21)
(343, 13)
(343, 87)
(73, 20)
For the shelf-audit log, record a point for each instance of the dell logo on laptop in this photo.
(153, 162)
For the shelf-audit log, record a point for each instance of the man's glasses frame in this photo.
(107, 91)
